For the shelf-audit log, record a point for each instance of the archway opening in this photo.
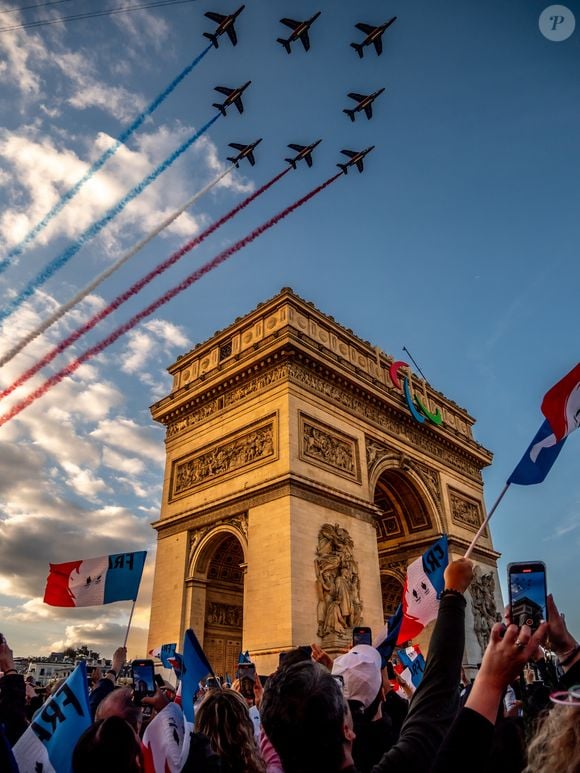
(222, 640)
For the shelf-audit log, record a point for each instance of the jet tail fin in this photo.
(350, 113)
(285, 43)
(233, 160)
(343, 167)
(221, 108)
(291, 162)
(211, 37)
(358, 48)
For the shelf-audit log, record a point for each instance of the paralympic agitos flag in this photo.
(95, 581)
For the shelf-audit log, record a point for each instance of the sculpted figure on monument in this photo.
(338, 583)
(485, 614)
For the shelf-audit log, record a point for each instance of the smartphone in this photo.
(247, 670)
(361, 634)
(143, 673)
(390, 670)
(527, 593)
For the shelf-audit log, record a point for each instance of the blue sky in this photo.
(459, 241)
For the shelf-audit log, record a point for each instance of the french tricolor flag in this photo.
(561, 404)
(95, 581)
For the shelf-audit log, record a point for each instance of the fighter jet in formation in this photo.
(246, 151)
(364, 103)
(225, 24)
(233, 97)
(304, 152)
(299, 32)
(356, 159)
(373, 35)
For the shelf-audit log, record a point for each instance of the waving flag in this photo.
(165, 653)
(95, 581)
(423, 586)
(561, 405)
(413, 662)
(47, 745)
(387, 639)
(538, 459)
(164, 739)
(195, 666)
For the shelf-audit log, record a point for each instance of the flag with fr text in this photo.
(165, 653)
(95, 581)
(413, 662)
(423, 586)
(48, 742)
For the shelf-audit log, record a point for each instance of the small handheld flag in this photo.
(195, 666)
(95, 581)
(413, 662)
(165, 653)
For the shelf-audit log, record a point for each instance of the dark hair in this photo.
(297, 655)
(303, 713)
(108, 744)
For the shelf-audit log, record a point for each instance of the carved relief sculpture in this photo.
(483, 606)
(338, 583)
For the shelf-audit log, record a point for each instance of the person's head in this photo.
(296, 655)
(306, 718)
(360, 669)
(223, 717)
(556, 744)
(108, 745)
(119, 703)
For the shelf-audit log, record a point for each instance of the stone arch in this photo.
(216, 594)
(391, 592)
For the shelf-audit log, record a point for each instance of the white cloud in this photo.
(126, 435)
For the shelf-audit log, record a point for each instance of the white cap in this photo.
(360, 668)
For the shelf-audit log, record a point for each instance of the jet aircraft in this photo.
(356, 158)
(299, 32)
(233, 97)
(373, 35)
(364, 103)
(225, 24)
(304, 152)
(246, 151)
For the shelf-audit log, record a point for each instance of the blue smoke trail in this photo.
(97, 227)
(100, 162)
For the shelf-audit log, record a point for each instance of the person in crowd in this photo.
(12, 696)
(107, 684)
(119, 703)
(109, 745)
(308, 721)
(556, 745)
(224, 718)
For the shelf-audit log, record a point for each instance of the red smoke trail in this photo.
(169, 295)
(135, 288)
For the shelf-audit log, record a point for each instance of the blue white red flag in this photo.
(423, 586)
(194, 668)
(386, 641)
(538, 458)
(165, 653)
(47, 744)
(413, 662)
(561, 405)
(95, 581)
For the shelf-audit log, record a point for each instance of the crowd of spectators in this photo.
(319, 715)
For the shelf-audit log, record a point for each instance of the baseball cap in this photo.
(360, 668)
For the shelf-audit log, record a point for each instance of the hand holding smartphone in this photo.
(143, 673)
(527, 593)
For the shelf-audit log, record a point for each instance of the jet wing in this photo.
(358, 97)
(379, 45)
(359, 165)
(366, 28)
(251, 158)
(237, 145)
(224, 90)
(232, 34)
(369, 111)
(239, 105)
(297, 148)
(217, 17)
(291, 23)
(349, 153)
(305, 40)
(308, 159)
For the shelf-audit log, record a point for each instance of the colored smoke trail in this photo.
(137, 287)
(69, 369)
(62, 310)
(96, 228)
(98, 164)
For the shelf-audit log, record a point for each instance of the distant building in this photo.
(528, 612)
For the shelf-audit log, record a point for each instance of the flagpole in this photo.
(129, 623)
(486, 521)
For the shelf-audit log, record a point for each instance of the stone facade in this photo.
(280, 426)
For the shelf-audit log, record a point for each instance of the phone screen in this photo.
(361, 635)
(527, 589)
(247, 670)
(143, 677)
